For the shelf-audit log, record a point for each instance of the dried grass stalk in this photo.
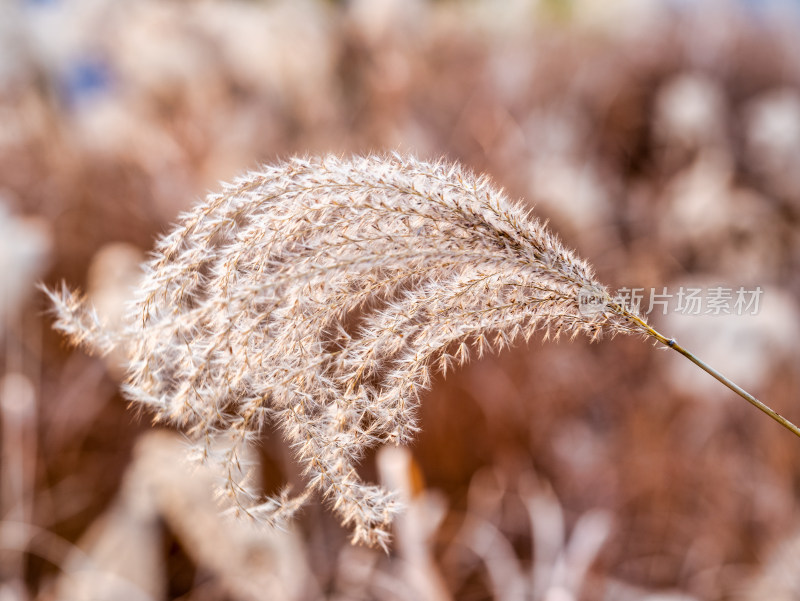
(323, 294)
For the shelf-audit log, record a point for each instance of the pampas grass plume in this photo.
(322, 294)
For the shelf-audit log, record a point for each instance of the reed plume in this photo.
(322, 294)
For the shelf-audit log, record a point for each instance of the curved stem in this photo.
(671, 343)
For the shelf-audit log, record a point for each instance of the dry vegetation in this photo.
(665, 145)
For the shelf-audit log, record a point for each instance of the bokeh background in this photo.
(661, 140)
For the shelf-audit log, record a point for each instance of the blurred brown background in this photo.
(661, 139)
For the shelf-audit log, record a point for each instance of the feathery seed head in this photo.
(322, 293)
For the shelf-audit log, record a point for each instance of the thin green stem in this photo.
(671, 343)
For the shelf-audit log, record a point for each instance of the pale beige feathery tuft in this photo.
(321, 294)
